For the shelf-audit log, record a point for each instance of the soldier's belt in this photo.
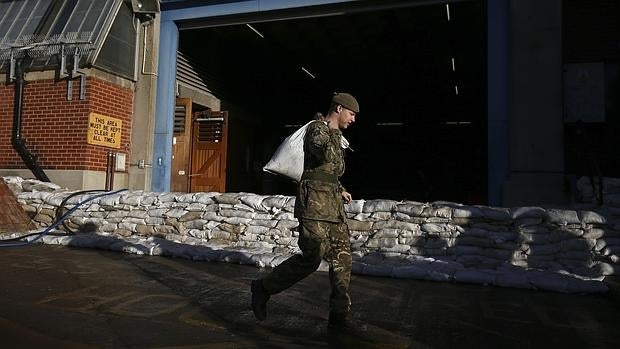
(320, 176)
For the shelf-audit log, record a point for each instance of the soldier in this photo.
(319, 207)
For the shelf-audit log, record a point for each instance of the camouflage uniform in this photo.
(320, 210)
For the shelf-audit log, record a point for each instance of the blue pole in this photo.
(498, 82)
(164, 107)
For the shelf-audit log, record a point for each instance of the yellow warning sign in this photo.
(104, 130)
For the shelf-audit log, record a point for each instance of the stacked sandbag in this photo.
(526, 247)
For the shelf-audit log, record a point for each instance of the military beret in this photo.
(347, 101)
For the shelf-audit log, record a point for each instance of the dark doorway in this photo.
(418, 72)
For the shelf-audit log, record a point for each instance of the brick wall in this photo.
(56, 129)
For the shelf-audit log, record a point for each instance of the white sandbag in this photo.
(288, 159)
(562, 217)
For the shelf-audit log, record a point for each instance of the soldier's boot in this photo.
(259, 299)
(342, 322)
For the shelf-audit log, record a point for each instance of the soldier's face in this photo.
(345, 117)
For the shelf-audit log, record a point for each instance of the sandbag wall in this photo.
(525, 247)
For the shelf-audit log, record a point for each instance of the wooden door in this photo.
(181, 145)
(209, 146)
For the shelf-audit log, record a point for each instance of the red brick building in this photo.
(56, 128)
(68, 117)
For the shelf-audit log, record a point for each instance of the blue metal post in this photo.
(498, 82)
(164, 106)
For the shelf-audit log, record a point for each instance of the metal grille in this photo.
(210, 127)
(179, 119)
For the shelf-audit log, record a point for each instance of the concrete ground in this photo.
(61, 297)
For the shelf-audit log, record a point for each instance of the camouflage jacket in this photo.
(319, 193)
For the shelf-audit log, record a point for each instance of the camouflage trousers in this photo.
(318, 240)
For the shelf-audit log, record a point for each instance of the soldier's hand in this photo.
(346, 197)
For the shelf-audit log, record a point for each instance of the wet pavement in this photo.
(61, 297)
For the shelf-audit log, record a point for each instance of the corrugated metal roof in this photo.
(44, 29)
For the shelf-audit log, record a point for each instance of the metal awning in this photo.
(47, 30)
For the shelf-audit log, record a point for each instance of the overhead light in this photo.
(448, 11)
(458, 123)
(256, 31)
(308, 72)
(390, 123)
(453, 65)
(456, 90)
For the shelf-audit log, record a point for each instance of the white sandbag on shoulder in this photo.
(288, 159)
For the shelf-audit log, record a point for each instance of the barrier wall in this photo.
(523, 247)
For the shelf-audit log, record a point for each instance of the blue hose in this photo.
(60, 220)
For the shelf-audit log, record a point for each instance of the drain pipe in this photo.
(19, 143)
